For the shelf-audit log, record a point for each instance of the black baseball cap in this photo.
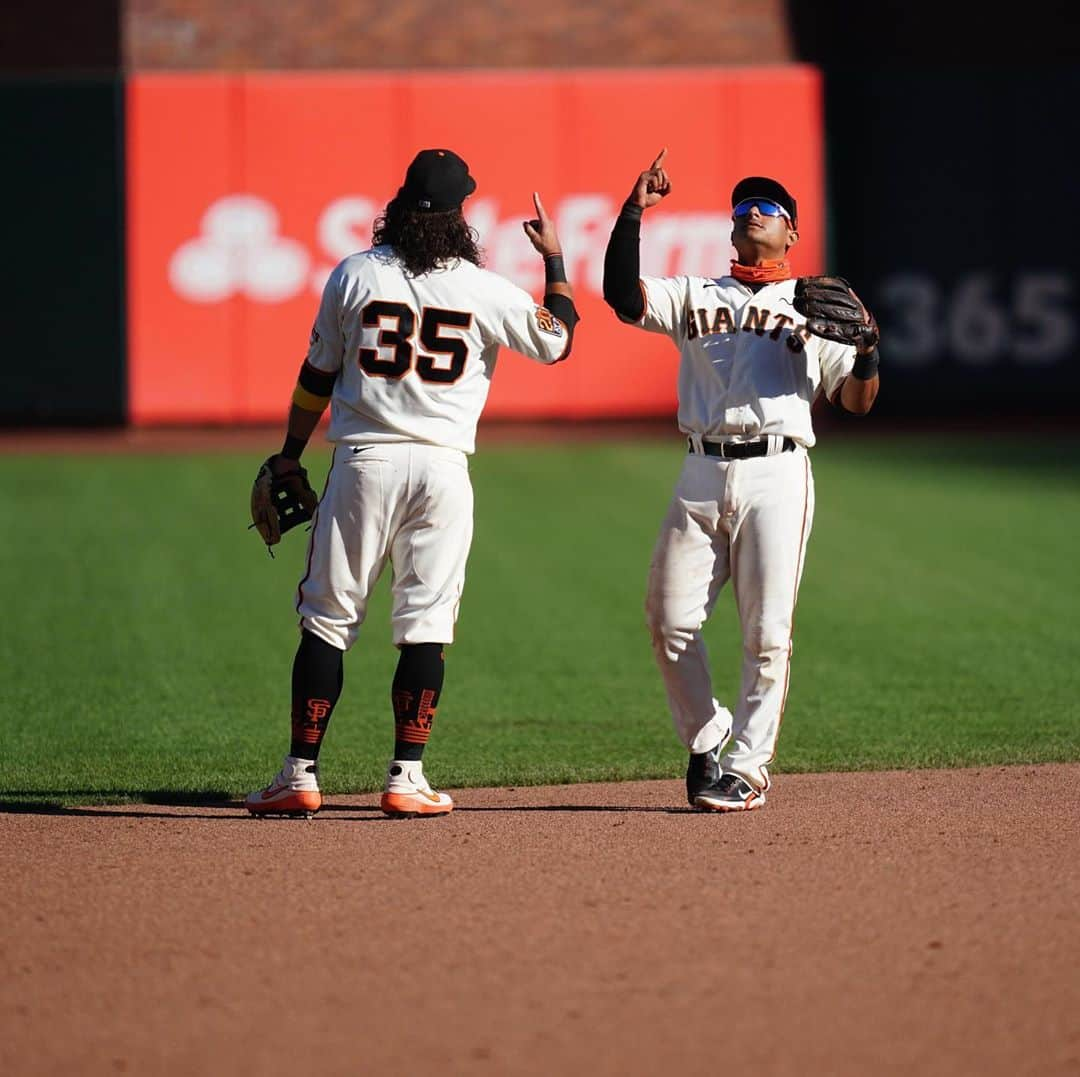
(437, 181)
(763, 187)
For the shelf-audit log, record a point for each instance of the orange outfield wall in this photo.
(245, 190)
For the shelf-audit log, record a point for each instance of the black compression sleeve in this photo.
(562, 306)
(622, 266)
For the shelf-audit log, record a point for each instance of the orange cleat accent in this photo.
(293, 791)
(408, 794)
(284, 802)
(421, 802)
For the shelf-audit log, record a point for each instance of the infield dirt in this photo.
(876, 923)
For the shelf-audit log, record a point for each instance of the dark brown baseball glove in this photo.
(280, 502)
(832, 310)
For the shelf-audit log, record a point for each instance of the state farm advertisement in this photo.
(244, 191)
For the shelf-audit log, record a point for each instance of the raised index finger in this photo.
(659, 158)
(540, 211)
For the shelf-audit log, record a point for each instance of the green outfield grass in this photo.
(148, 639)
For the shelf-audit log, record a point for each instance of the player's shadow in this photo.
(50, 802)
(463, 809)
(226, 807)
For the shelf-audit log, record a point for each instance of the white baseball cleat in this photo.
(408, 793)
(294, 791)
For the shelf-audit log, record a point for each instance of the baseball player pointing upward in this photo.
(404, 349)
(751, 366)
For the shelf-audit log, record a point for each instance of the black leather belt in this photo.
(740, 450)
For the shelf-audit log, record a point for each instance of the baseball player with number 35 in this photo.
(403, 350)
(756, 347)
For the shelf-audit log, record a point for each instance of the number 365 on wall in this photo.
(979, 319)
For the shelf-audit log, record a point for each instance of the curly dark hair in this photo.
(424, 241)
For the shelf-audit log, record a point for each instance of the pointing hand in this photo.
(653, 184)
(541, 230)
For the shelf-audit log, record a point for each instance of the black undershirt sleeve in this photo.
(622, 266)
(319, 382)
(562, 306)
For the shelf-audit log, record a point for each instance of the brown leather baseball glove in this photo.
(280, 502)
(832, 310)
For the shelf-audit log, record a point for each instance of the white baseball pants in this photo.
(747, 521)
(404, 502)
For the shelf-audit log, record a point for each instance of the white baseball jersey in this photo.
(749, 366)
(416, 355)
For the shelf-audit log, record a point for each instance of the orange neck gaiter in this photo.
(772, 270)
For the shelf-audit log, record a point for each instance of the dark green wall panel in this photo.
(62, 275)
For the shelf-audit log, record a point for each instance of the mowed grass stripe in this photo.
(149, 638)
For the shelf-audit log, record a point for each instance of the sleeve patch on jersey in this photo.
(315, 338)
(546, 322)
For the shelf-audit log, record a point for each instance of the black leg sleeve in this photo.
(418, 682)
(317, 676)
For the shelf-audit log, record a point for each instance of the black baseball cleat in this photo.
(702, 773)
(729, 793)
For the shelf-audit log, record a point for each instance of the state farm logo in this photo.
(240, 250)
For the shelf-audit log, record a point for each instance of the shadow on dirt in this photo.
(114, 802)
(110, 806)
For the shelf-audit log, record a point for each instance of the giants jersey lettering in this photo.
(748, 366)
(415, 355)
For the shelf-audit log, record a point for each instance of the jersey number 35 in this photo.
(443, 357)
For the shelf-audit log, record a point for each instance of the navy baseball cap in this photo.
(437, 181)
(763, 187)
